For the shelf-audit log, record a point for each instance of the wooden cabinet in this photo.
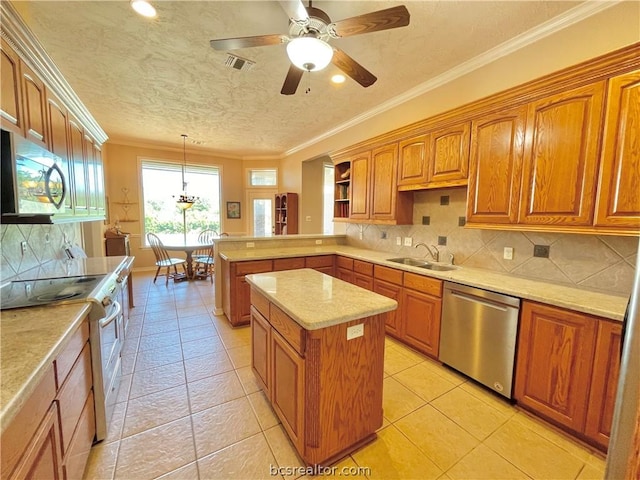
(412, 164)
(80, 197)
(286, 214)
(561, 158)
(236, 298)
(58, 121)
(363, 274)
(421, 312)
(261, 349)
(342, 190)
(321, 263)
(344, 268)
(495, 170)
(34, 107)
(618, 202)
(360, 186)
(604, 382)
(11, 117)
(449, 156)
(388, 282)
(288, 263)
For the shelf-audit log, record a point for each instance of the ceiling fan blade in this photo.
(294, 75)
(246, 42)
(352, 68)
(295, 10)
(372, 22)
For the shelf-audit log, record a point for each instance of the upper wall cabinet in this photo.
(618, 201)
(10, 96)
(413, 168)
(360, 186)
(34, 107)
(561, 157)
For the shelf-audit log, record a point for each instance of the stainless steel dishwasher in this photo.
(478, 335)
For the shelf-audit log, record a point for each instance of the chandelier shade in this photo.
(185, 201)
(309, 53)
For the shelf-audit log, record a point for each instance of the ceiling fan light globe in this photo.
(144, 8)
(309, 53)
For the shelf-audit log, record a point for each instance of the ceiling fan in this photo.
(310, 29)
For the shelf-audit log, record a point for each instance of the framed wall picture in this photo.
(233, 209)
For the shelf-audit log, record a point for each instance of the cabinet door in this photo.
(389, 290)
(384, 191)
(80, 193)
(58, 120)
(42, 458)
(412, 161)
(619, 191)
(34, 104)
(287, 388)
(604, 383)
(554, 361)
(360, 186)
(449, 155)
(90, 168)
(421, 321)
(99, 192)
(495, 167)
(561, 158)
(261, 349)
(243, 303)
(363, 281)
(344, 274)
(11, 93)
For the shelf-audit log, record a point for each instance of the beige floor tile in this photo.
(124, 388)
(214, 390)
(195, 321)
(533, 454)
(158, 357)
(423, 382)
(395, 361)
(284, 452)
(155, 452)
(198, 332)
(589, 472)
(446, 372)
(492, 399)
(237, 337)
(471, 413)
(411, 353)
(152, 328)
(188, 472)
(128, 362)
(161, 306)
(101, 463)
(248, 459)
(192, 311)
(248, 380)
(484, 464)
(240, 356)
(160, 316)
(262, 408)
(153, 380)
(202, 346)
(156, 409)
(158, 340)
(398, 400)
(393, 456)
(232, 421)
(444, 476)
(441, 439)
(347, 467)
(131, 341)
(207, 365)
(114, 427)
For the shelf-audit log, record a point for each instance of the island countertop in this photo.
(315, 300)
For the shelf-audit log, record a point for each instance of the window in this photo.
(161, 185)
(263, 177)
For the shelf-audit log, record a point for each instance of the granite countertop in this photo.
(582, 300)
(324, 301)
(31, 339)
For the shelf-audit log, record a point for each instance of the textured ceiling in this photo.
(151, 80)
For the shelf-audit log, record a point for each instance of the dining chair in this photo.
(163, 260)
(204, 257)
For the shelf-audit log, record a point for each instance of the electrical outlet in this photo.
(541, 251)
(318, 242)
(307, 218)
(408, 241)
(23, 247)
(355, 331)
(399, 241)
(383, 235)
(250, 244)
(507, 253)
(426, 220)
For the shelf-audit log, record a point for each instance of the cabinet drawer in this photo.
(73, 395)
(288, 263)
(344, 262)
(432, 286)
(258, 266)
(19, 432)
(321, 261)
(387, 274)
(365, 268)
(260, 302)
(66, 359)
(290, 330)
(78, 453)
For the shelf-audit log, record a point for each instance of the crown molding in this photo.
(556, 24)
(22, 39)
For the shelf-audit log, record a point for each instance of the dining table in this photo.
(187, 246)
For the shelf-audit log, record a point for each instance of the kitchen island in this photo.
(318, 353)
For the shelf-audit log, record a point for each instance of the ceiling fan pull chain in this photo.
(308, 90)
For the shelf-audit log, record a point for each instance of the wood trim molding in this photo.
(22, 39)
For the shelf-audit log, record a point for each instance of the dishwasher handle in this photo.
(482, 301)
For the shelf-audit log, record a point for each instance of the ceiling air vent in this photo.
(238, 63)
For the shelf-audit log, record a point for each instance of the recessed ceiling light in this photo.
(144, 8)
(338, 78)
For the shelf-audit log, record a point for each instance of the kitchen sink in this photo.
(415, 262)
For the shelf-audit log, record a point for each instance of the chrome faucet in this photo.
(435, 253)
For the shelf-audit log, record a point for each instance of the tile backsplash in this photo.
(44, 243)
(600, 262)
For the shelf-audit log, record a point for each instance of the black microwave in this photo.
(33, 180)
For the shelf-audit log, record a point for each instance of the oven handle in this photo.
(115, 311)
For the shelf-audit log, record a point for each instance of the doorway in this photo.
(261, 212)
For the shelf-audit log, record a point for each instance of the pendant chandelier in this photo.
(185, 201)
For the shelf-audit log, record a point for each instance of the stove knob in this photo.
(106, 302)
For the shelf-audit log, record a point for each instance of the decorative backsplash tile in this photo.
(591, 261)
(44, 243)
